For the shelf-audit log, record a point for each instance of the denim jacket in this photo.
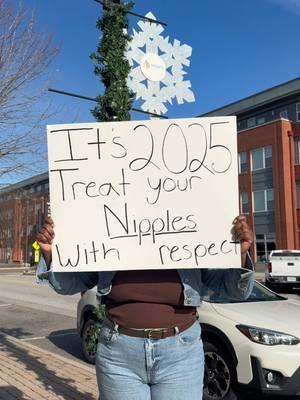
(234, 283)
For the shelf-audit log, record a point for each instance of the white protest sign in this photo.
(144, 195)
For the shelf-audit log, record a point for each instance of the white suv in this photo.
(252, 344)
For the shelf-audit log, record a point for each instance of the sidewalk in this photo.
(26, 269)
(30, 373)
(13, 265)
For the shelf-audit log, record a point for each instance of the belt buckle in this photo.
(150, 332)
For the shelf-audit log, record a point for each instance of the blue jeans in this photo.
(131, 368)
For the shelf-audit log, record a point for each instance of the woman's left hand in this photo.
(244, 234)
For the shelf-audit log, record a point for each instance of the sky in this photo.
(240, 47)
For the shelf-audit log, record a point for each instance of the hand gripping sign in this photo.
(144, 195)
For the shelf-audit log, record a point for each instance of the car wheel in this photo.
(219, 374)
(89, 344)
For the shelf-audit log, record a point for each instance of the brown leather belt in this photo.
(149, 333)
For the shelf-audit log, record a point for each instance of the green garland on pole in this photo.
(115, 104)
(112, 65)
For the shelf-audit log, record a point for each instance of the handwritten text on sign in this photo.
(144, 195)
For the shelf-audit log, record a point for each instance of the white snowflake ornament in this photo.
(157, 75)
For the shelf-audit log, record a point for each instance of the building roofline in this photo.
(25, 182)
(273, 121)
(256, 100)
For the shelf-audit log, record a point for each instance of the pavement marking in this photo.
(34, 338)
(5, 305)
(49, 336)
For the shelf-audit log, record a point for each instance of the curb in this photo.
(48, 353)
(24, 270)
(12, 269)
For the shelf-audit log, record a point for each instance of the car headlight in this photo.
(267, 337)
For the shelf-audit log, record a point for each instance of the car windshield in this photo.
(259, 293)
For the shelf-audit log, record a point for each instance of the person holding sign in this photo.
(150, 343)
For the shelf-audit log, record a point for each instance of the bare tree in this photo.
(25, 55)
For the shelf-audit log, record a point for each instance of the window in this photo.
(257, 159)
(261, 120)
(297, 151)
(298, 194)
(268, 156)
(244, 203)
(242, 162)
(265, 243)
(298, 112)
(251, 122)
(261, 158)
(263, 200)
(270, 199)
(284, 114)
(260, 237)
(39, 188)
(38, 215)
(259, 201)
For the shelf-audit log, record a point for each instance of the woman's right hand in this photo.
(45, 238)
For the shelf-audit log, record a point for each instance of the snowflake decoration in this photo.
(157, 74)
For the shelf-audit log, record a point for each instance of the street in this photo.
(37, 315)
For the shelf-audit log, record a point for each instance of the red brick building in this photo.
(269, 165)
(269, 181)
(22, 211)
